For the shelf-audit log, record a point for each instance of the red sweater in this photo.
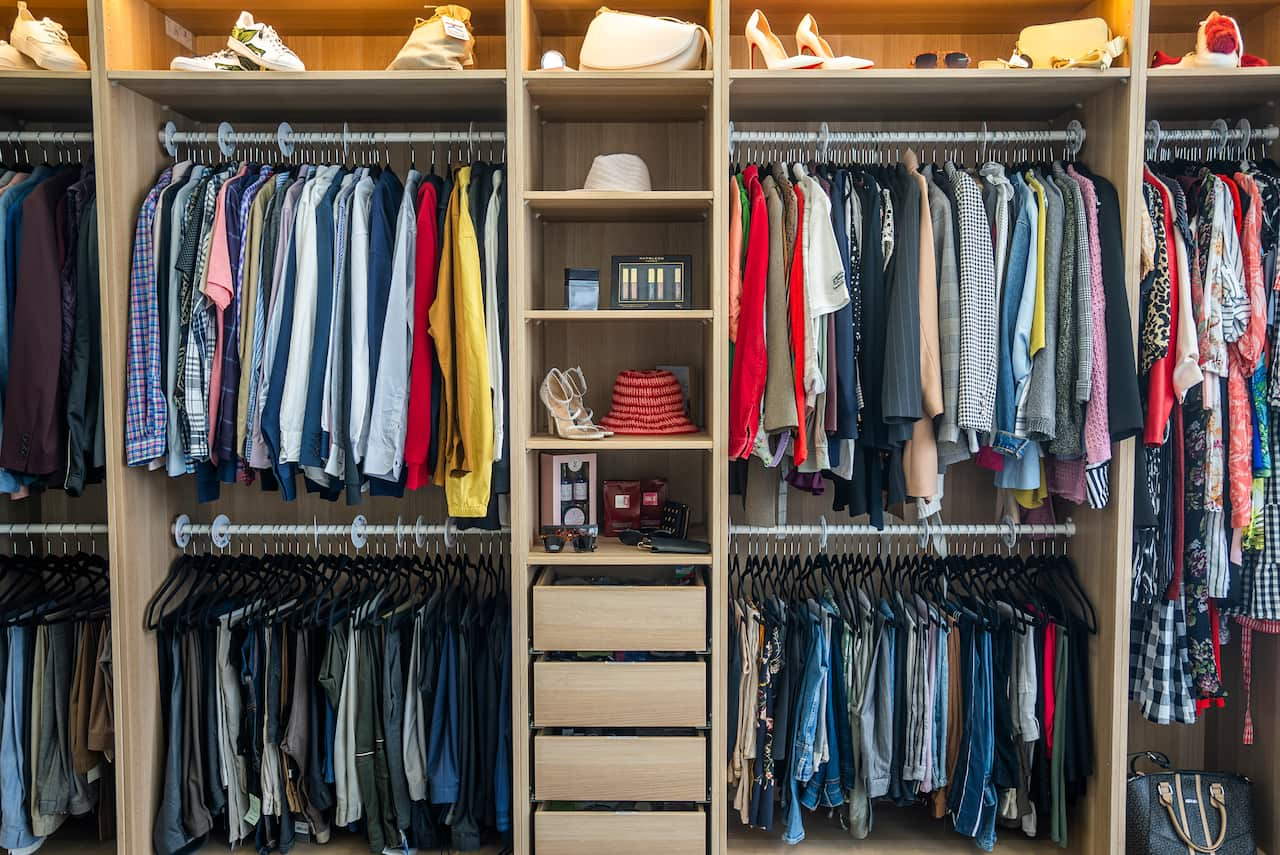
(418, 429)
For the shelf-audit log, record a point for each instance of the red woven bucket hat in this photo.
(648, 402)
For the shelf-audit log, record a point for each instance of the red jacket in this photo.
(750, 361)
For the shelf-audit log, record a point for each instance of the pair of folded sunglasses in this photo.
(581, 541)
(938, 59)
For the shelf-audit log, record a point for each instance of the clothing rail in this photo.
(286, 138)
(221, 530)
(51, 529)
(1008, 530)
(1072, 136)
(50, 137)
(1218, 135)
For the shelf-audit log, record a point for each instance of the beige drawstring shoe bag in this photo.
(444, 40)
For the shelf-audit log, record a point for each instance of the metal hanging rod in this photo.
(286, 138)
(47, 137)
(1008, 530)
(1218, 135)
(1067, 529)
(221, 530)
(51, 529)
(1072, 136)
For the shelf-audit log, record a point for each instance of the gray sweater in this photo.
(1070, 415)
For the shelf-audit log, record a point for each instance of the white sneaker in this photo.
(222, 60)
(12, 59)
(45, 41)
(261, 43)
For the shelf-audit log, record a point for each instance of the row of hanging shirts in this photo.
(331, 320)
(888, 321)
(1205, 566)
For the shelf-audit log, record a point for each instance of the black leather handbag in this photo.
(1176, 812)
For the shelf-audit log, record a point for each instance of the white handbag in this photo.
(623, 41)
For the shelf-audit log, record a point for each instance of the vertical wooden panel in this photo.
(718, 529)
(519, 133)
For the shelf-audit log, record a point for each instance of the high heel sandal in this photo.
(808, 39)
(761, 38)
(578, 383)
(562, 414)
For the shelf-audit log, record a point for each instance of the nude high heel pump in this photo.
(809, 40)
(761, 38)
(562, 414)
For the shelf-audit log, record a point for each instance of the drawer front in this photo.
(619, 694)
(612, 768)
(619, 618)
(667, 832)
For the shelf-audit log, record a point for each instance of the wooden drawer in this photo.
(620, 768)
(618, 617)
(619, 694)
(574, 832)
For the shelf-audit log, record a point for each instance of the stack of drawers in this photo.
(613, 695)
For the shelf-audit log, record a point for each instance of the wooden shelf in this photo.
(897, 831)
(613, 552)
(275, 96)
(618, 316)
(682, 442)
(602, 96)
(898, 93)
(611, 207)
(1210, 93)
(35, 95)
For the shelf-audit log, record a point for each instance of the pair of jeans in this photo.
(806, 723)
(972, 800)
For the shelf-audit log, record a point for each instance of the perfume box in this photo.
(569, 492)
(651, 281)
(581, 288)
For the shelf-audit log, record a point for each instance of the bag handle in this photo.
(1157, 757)
(1217, 797)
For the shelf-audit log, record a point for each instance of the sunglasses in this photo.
(580, 540)
(936, 59)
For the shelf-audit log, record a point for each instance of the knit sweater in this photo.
(1067, 441)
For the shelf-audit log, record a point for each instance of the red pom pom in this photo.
(1220, 35)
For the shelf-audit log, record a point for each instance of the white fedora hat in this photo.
(619, 172)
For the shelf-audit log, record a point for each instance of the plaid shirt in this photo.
(198, 366)
(146, 413)
(226, 434)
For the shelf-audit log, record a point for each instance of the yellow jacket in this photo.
(464, 464)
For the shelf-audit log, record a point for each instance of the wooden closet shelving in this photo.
(46, 94)
(877, 94)
(555, 123)
(321, 95)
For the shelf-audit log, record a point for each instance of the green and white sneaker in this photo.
(223, 60)
(261, 43)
